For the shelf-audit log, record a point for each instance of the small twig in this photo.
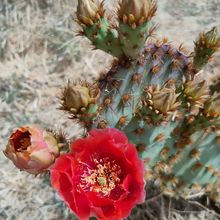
(203, 207)
(154, 197)
(169, 210)
(150, 215)
(163, 214)
(178, 216)
(185, 211)
(194, 196)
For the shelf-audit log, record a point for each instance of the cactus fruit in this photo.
(153, 94)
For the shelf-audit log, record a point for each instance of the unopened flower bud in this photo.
(88, 11)
(32, 149)
(197, 91)
(206, 45)
(139, 10)
(76, 97)
(210, 39)
(164, 99)
(212, 106)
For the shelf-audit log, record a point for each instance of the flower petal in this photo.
(75, 176)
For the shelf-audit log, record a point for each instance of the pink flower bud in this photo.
(32, 149)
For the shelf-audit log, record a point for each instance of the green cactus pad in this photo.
(104, 37)
(133, 39)
(155, 66)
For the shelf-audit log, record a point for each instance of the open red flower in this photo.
(102, 177)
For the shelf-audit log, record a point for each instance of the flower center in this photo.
(102, 181)
(21, 140)
(103, 178)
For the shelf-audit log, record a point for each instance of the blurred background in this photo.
(39, 53)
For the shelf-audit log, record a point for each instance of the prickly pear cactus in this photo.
(153, 94)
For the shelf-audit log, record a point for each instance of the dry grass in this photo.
(38, 54)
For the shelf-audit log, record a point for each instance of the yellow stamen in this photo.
(103, 178)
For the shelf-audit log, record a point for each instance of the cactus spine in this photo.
(153, 94)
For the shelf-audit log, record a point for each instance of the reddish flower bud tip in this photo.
(32, 149)
(102, 177)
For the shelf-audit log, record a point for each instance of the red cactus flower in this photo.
(102, 177)
(32, 149)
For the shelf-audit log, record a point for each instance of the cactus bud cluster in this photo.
(134, 25)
